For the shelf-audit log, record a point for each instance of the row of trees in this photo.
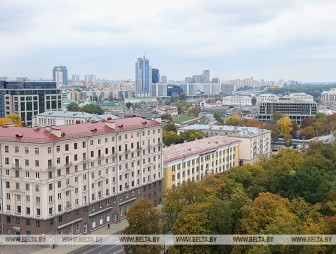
(170, 135)
(88, 108)
(291, 193)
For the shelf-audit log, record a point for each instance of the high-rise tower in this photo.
(143, 77)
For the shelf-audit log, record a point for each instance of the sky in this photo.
(264, 39)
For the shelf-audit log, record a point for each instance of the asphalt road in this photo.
(109, 246)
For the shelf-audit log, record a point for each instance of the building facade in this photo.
(329, 97)
(298, 97)
(143, 77)
(237, 100)
(192, 161)
(67, 117)
(295, 110)
(29, 98)
(255, 142)
(75, 178)
(155, 76)
(60, 75)
(267, 97)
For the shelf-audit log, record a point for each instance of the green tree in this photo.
(277, 116)
(204, 120)
(92, 109)
(73, 106)
(143, 218)
(170, 126)
(128, 105)
(320, 115)
(218, 117)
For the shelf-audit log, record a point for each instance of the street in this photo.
(108, 246)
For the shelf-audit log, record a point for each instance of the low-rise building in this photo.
(68, 117)
(73, 179)
(192, 161)
(255, 142)
(298, 97)
(267, 97)
(237, 100)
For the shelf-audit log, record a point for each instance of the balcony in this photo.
(16, 166)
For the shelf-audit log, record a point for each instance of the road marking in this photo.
(118, 251)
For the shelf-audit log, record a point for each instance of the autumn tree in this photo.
(233, 120)
(277, 116)
(16, 119)
(285, 126)
(143, 218)
(5, 120)
(307, 133)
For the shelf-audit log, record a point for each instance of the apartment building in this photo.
(329, 97)
(295, 110)
(267, 97)
(255, 142)
(237, 100)
(298, 97)
(72, 179)
(192, 161)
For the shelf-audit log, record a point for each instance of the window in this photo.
(84, 144)
(37, 187)
(37, 163)
(26, 162)
(17, 186)
(49, 150)
(17, 150)
(37, 151)
(38, 199)
(37, 175)
(6, 149)
(67, 147)
(58, 149)
(75, 145)
(7, 161)
(8, 195)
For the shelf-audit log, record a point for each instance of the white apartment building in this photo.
(255, 142)
(72, 179)
(329, 97)
(237, 100)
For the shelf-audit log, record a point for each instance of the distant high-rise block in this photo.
(206, 76)
(75, 78)
(60, 75)
(164, 79)
(143, 76)
(155, 76)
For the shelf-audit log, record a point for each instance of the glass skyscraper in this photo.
(143, 77)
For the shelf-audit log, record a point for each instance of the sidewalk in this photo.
(62, 249)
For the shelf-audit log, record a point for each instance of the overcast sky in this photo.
(266, 39)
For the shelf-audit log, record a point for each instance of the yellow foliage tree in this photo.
(5, 120)
(285, 126)
(233, 120)
(15, 119)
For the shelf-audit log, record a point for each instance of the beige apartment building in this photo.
(255, 142)
(193, 160)
(75, 178)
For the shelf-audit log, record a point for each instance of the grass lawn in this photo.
(182, 119)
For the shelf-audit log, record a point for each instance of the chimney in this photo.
(56, 131)
(111, 125)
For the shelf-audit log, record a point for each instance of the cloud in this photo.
(230, 37)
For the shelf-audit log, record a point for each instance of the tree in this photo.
(285, 126)
(5, 120)
(195, 111)
(73, 106)
(204, 120)
(128, 105)
(233, 120)
(170, 126)
(254, 123)
(277, 116)
(92, 109)
(308, 132)
(275, 130)
(295, 129)
(320, 115)
(143, 218)
(16, 119)
(218, 117)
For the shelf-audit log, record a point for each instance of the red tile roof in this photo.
(181, 151)
(41, 135)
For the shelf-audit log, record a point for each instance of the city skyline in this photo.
(234, 39)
